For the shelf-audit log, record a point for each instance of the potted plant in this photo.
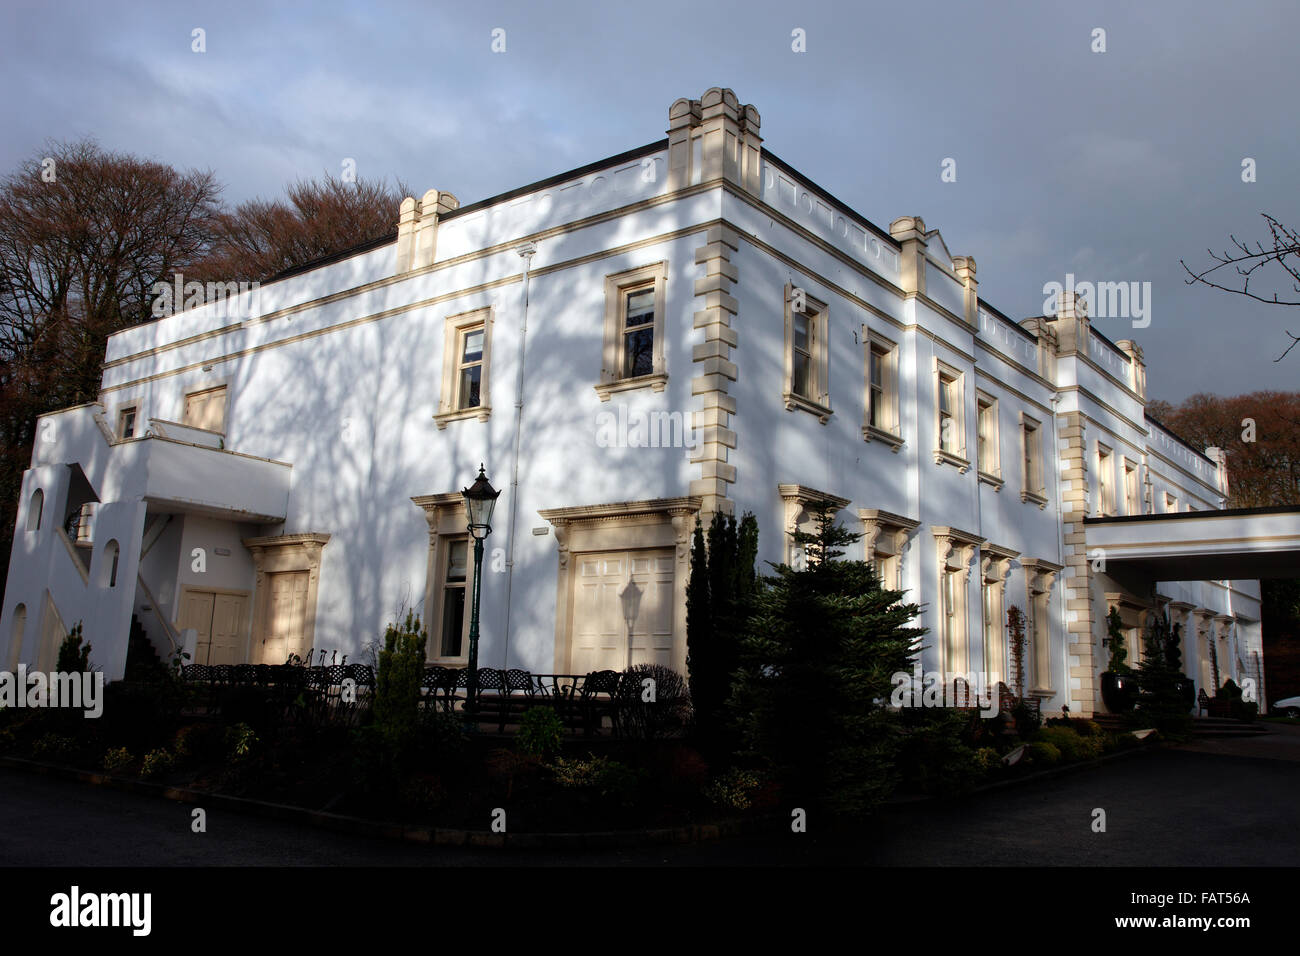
(1173, 649)
(1118, 685)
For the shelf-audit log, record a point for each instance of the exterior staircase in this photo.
(1201, 726)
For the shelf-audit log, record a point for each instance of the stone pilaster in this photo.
(1077, 579)
(715, 371)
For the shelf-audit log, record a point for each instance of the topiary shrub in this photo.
(540, 732)
(1042, 753)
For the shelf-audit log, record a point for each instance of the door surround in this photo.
(622, 526)
(285, 552)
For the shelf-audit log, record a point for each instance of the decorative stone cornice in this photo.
(950, 541)
(884, 527)
(622, 510)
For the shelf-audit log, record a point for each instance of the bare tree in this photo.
(1283, 250)
(84, 235)
(260, 239)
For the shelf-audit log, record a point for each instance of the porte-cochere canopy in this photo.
(1234, 543)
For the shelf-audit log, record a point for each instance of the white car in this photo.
(1287, 706)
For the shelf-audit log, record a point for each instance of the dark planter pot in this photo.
(1187, 691)
(1119, 694)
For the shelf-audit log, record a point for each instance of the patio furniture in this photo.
(1212, 706)
(514, 682)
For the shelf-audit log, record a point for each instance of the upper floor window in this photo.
(466, 363)
(126, 422)
(950, 421)
(986, 428)
(807, 355)
(634, 330)
(882, 392)
(35, 505)
(1105, 481)
(206, 409)
(1033, 487)
(1132, 498)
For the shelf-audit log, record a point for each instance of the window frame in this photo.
(818, 314)
(617, 286)
(956, 393)
(890, 431)
(455, 328)
(447, 522)
(1033, 477)
(132, 409)
(993, 442)
(1105, 481)
(1132, 492)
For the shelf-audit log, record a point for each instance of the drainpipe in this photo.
(525, 252)
(1060, 558)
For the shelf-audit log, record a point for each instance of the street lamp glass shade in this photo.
(480, 499)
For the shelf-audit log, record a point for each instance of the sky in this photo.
(1065, 160)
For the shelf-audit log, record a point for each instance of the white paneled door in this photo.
(218, 618)
(609, 586)
(286, 623)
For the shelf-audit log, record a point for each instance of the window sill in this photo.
(951, 458)
(1038, 499)
(894, 442)
(482, 413)
(793, 401)
(657, 382)
(990, 479)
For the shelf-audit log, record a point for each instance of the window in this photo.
(1132, 501)
(1105, 481)
(884, 536)
(35, 505)
(882, 392)
(466, 363)
(1031, 472)
(452, 636)
(126, 422)
(950, 424)
(807, 356)
(800, 505)
(956, 551)
(206, 409)
(987, 451)
(1039, 576)
(108, 568)
(450, 577)
(995, 566)
(634, 331)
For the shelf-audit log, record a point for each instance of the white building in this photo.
(287, 477)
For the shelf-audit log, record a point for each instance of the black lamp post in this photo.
(480, 499)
